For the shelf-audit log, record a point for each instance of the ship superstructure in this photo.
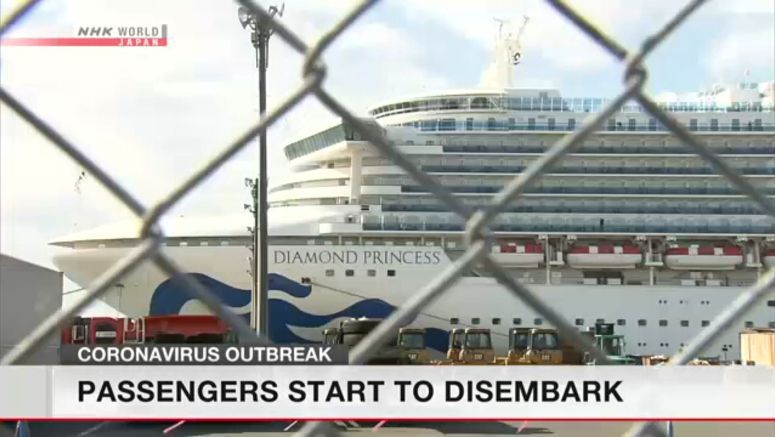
(631, 227)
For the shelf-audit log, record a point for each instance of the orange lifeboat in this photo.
(769, 258)
(607, 256)
(512, 254)
(704, 258)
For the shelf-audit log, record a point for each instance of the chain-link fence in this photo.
(477, 235)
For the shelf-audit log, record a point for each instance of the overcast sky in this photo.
(150, 116)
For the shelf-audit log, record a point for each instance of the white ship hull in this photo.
(299, 312)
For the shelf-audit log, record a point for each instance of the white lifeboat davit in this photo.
(605, 256)
(704, 258)
(518, 255)
(769, 258)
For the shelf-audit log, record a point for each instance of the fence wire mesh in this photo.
(477, 235)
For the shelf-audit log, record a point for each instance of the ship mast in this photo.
(508, 53)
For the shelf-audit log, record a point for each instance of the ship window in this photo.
(550, 124)
(631, 124)
(684, 323)
(705, 323)
(329, 272)
(538, 321)
(714, 124)
(663, 322)
(454, 321)
(516, 321)
(611, 124)
(391, 272)
(371, 272)
(469, 124)
(600, 321)
(571, 123)
(693, 124)
(641, 322)
(771, 303)
(735, 124)
(771, 325)
(496, 321)
(652, 124)
(349, 272)
(475, 321)
(621, 322)
(579, 322)
(749, 324)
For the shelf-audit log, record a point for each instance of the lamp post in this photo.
(259, 37)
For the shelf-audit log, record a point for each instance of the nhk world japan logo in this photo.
(101, 36)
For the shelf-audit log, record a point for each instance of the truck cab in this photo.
(330, 336)
(612, 345)
(455, 343)
(411, 342)
(477, 347)
(544, 347)
(519, 341)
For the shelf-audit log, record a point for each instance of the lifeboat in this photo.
(704, 258)
(769, 258)
(607, 256)
(518, 255)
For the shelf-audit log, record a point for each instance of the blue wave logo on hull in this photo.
(171, 295)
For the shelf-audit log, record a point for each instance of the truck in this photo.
(757, 345)
(612, 345)
(149, 329)
(469, 346)
(407, 347)
(543, 347)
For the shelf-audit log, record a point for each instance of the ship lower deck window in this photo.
(371, 272)
(771, 325)
(579, 322)
(496, 321)
(705, 323)
(685, 323)
(663, 323)
(391, 272)
(516, 321)
(621, 322)
(329, 273)
(641, 322)
(600, 321)
(538, 321)
(475, 321)
(771, 303)
(349, 272)
(749, 324)
(454, 321)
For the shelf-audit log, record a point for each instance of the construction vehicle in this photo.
(757, 345)
(543, 347)
(469, 346)
(519, 342)
(150, 329)
(411, 342)
(407, 347)
(612, 345)
(330, 335)
(456, 336)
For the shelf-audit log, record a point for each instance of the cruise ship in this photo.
(630, 228)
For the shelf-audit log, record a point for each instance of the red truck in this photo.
(149, 329)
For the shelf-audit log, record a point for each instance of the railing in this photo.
(553, 104)
(580, 223)
(575, 189)
(623, 149)
(591, 169)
